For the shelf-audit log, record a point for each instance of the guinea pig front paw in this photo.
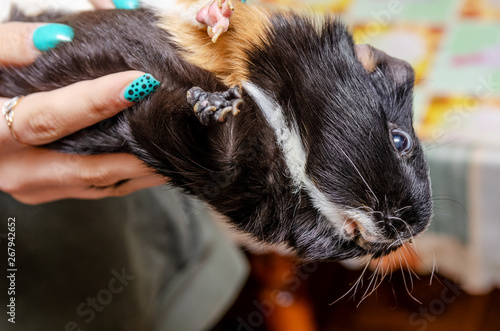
(216, 17)
(212, 107)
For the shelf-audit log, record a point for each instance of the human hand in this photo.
(120, 4)
(35, 175)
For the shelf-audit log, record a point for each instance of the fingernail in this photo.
(126, 4)
(141, 88)
(50, 35)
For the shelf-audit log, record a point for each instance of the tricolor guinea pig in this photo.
(298, 137)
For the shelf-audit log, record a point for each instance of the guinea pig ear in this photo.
(371, 58)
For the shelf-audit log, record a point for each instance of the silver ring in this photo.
(8, 112)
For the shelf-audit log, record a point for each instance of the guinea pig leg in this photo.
(212, 107)
(216, 17)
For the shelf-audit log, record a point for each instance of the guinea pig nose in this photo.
(397, 227)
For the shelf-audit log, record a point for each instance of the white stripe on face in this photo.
(290, 143)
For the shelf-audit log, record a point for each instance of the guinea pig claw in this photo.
(235, 107)
(196, 107)
(229, 4)
(217, 34)
(213, 107)
(193, 95)
(222, 114)
(237, 91)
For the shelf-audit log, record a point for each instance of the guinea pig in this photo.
(295, 135)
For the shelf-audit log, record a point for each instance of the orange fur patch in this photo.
(227, 57)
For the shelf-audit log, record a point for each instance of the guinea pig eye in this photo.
(402, 141)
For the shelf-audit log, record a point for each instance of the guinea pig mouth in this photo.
(355, 231)
(351, 228)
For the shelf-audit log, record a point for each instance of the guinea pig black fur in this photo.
(322, 157)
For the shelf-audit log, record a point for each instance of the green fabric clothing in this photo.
(152, 260)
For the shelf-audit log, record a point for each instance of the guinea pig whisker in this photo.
(434, 266)
(364, 207)
(432, 270)
(379, 279)
(373, 281)
(368, 209)
(384, 274)
(401, 209)
(408, 265)
(410, 272)
(406, 224)
(409, 275)
(165, 152)
(393, 243)
(404, 281)
(434, 144)
(360, 175)
(356, 284)
(396, 232)
(392, 265)
(435, 198)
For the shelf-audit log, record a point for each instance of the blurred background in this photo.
(448, 279)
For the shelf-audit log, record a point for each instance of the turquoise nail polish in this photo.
(141, 88)
(126, 4)
(50, 35)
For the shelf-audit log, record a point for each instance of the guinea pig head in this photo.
(367, 171)
(389, 198)
(343, 122)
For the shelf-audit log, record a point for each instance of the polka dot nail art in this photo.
(141, 88)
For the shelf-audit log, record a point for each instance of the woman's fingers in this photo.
(124, 188)
(44, 117)
(102, 4)
(101, 171)
(54, 175)
(120, 4)
(17, 43)
(44, 195)
(48, 168)
(23, 42)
